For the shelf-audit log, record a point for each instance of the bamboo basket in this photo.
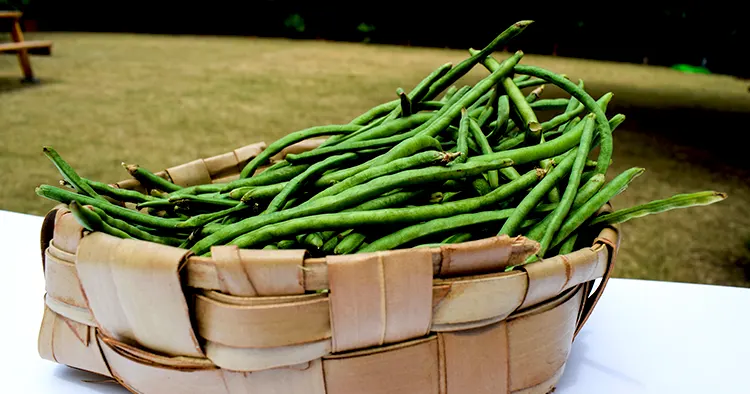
(441, 320)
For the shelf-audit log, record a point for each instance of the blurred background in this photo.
(162, 83)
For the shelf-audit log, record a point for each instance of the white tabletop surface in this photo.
(643, 337)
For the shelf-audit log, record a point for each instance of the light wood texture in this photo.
(19, 46)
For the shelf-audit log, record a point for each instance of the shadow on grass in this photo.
(12, 84)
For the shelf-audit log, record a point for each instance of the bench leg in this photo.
(23, 55)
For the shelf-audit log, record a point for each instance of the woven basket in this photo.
(413, 321)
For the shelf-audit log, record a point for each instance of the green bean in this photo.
(133, 231)
(531, 154)
(482, 87)
(69, 174)
(330, 245)
(603, 128)
(405, 148)
(509, 143)
(156, 204)
(562, 118)
(489, 109)
(149, 179)
(263, 179)
(295, 184)
(531, 83)
(392, 216)
(449, 93)
(348, 198)
(511, 226)
(462, 68)
(588, 190)
(534, 95)
(203, 219)
(92, 222)
(569, 245)
(503, 116)
(582, 214)
(393, 199)
(386, 129)
(258, 194)
(452, 132)
(563, 208)
(312, 240)
(484, 145)
(521, 78)
(270, 247)
(286, 244)
(350, 243)
(291, 139)
(457, 238)
(572, 104)
(429, 105)
(531, 124)
(550, 104)
(203, 200)
(405, 102)
(434, 226)
(658, 206)
(236, 194)
(480, 185)
(462, 142)
(398, 165)
(66, 197)
(478, 104)
(416, 94)
(375, 112)
(118, 194)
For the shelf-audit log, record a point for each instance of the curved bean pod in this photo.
(658, 206)
(291, 139)
(69, 174)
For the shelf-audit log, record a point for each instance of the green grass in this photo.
(160, 101)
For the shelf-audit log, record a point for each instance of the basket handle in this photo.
(609, 237)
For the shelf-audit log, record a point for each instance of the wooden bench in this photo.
(20, 47)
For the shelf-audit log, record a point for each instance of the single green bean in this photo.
(550, 104)
(449, 93)
(462, 68)
(286, 244)
(503, 116)
(258, 194)
(582, 214)
(405, 102)
(658, 206)
(569, 245)
(203, 200)
(203, 219)
(330, 245)
(291, 139)
(563, 208)
(312, 240)
(149, 179)
(534, 95)
(385, 130)
(572, 104)
(133, 231)
(119, 194)
(531, 83)
(350, 243)
(462, 142)
(392, 216)
(521, 78)
(270, 247)
(434, 226)
(295, 184)
(375, 112)
(69, 174)
(484, 145)
(416, 94)
(490, 108)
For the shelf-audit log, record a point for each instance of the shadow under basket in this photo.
(443, 320)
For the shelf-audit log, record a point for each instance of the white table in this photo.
(644, 336)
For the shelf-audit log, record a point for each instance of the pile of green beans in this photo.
(438, 164)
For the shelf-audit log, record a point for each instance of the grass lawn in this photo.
(161, 100)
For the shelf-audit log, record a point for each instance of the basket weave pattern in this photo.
(441, 320)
